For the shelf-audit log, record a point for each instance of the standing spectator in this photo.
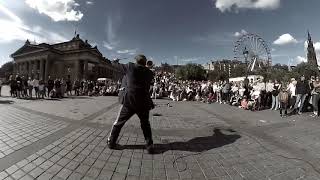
(284, 99)
(263, 94)
(0, 86)
(19, 86)
(76, 87)
(41, 89)
(30, 87)
(57, 87)
(302, 90)
(63, 87)
(36, 87)
(50, 85)
(69, 87)
(82, 87)
(13, 86)
(275, 97)
(292, 92)
(226, 92)
(316, 97)
(269, 89)
(25, 86)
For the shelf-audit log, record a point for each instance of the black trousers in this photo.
(124, 115)
(283, 106)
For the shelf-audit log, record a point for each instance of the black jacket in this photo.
(137, 85)
(302, 87)
(122, 89)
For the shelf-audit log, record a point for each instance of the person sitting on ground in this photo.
(244, 103)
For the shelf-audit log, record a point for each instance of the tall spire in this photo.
(309, 36)
(312, 58)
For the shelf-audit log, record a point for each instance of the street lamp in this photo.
(246, 54)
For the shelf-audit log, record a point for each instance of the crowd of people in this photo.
(21, 87)
(297, 95)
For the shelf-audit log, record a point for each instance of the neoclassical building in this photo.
(75, 59)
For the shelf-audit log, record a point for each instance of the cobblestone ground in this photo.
(67, 139)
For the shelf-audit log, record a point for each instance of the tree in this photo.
(239, 70)
(306, 69)
(6, 69)
(191, 72)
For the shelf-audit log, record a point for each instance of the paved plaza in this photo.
(67, 139)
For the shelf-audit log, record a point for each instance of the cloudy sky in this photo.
(165, 30)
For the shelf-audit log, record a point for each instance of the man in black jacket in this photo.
(136, 100)
(50, 85)
(302, 90)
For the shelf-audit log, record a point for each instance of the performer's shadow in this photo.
(198, 144)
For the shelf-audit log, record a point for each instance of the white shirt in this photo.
(262, 86)
(30, 83)
(292, 89)
(41, 87)
(35, 83)
(269, 87)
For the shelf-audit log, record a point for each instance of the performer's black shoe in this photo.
(150, 148)
(114, 146)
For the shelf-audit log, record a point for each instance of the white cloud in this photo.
(108, 45)
(228, 5)
(57, 10)
(89, 2)
(241, 33)
(127, 51)
(192, 59)
(285, 39)
(14, 29)
(111, 42)
(301, 59)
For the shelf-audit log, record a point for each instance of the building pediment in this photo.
(27, 48)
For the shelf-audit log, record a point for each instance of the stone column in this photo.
(33, 70)
(14, 68)
(85, 73)
(46, 70)
(41, 69)
(29, 68)
(76, 72)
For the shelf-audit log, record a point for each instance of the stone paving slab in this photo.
(177, 117)
(83, 154)
(20, 129)
(193, 141)
(75, 108)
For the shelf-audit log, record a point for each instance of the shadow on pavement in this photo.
(198, 144)
(6, 102)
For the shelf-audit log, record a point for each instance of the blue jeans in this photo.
(275, 102)
(302, 98)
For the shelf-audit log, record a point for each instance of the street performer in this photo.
(136, 100)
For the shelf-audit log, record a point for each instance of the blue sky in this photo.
(165, 30)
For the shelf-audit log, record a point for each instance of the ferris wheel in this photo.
(252, 50)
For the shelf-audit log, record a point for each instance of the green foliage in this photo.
(307, 70)
(191, 72)
(238, 71)
(217, 75)
(6, 69)
(281, 73)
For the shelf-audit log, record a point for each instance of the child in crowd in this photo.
(41, 89)
(244, 103)
(284, 100)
